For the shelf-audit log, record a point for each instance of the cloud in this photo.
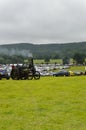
(42, 21)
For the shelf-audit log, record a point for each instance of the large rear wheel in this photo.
(37, 75)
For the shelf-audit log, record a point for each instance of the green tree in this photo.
(66, 60)
(47, 59)
(79, 58)
(2, 60)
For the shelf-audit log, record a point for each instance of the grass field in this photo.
(52, 61)
(51, 103)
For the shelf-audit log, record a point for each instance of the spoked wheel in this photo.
(30, 75)
(37, 75)
(15, 74)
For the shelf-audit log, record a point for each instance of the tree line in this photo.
(18, 53)
(78, 58)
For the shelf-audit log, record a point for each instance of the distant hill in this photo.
(52, 50)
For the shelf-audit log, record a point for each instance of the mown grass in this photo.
(51, 61)
(77, 68)
(51, 103)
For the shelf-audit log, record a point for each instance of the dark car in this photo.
(62, 73)
(4, 74)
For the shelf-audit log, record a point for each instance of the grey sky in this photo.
(42, 21)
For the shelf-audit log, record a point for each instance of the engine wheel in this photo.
(37, 75)
(30, 75)
(15, 74)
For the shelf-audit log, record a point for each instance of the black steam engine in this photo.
(26, 71)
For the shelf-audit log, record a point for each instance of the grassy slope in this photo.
(52, 103)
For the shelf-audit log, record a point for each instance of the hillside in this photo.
(38, 51)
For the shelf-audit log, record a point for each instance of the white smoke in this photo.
(25, 53)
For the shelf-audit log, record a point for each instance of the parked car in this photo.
(78, 73)
(62, 73)
(71, 73)
(4, 74)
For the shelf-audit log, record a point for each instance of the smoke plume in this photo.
(25, 53)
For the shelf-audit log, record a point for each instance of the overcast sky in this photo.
(42, 21)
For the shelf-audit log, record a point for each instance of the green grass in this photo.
(78, 68)
(39, 61)
(52, 61)
(51, 103)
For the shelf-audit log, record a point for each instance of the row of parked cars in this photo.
(68, 73)
(5, 72)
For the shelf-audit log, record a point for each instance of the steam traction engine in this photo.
(25, 71)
